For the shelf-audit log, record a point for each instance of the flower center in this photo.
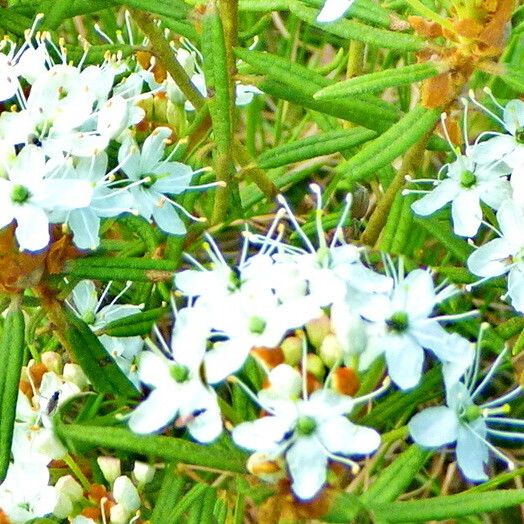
(519, 135)
(179, 373)
(148, 179)
(468, 179)
(89, 318)
(257, 325)
(306, 426)
(20, 194)
(471, 413)
(398, 322)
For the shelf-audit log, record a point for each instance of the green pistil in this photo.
(89, 318)
(20, 194)
(468, 179)
(519, 135)
(471, 413)
(179, 373)
(398, 322)
(149, 179)
(257, 325)
(306, 426)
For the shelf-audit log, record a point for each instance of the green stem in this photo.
(162, 50)
(73, 466)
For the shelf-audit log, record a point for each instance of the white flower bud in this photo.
(70, 487)
(143, 472)
(73, 373)
(63, 506)
(110, 467)
(118, 514)
(126, 494)
(53, 362)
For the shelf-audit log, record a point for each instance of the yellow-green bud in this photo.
(317, 329)
(292, 349)
(315, 366)
(330, 351)
(53, 362)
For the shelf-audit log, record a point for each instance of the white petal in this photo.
(511, 222)
(333, 10)
(153, 148)
(496, 193)
(224, 359)
(263, 434)
(32, 231)
(85, 226)
(431, 335)
(472, 454)
(125, 493)
(514, 115)
(516, 288)
(466, 213)
(419, 292)
(404, 358)
(176, 177)
(153, 370)
(339, 435)
(493, 149)
(491, 259)
(445, 192)
(307, 464)
(434, 427)
(154, 413)
(168, 220)
(64, 194)
(85, 297)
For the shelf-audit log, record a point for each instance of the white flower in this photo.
(507, 147)
(505, 254)
(33, 432)
(466, 424)
(25, 493)
(466, 185)
(403, 327)
(88, 307)
(308, 432)
(178, 391)
(31, 191)
(160, 177)
(105, 201)
(333, 10)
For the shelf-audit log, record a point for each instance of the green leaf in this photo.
(449, 506)
(12, 348)
(365, 10)
(167, 448)
(298, 84)
(357, 31)
(313, 146)
(397, 477)
(95, 361)
(14, 22)
(379, 80)
(388, 146)
(442, 232)
(169, 8)
(132, 325)
(170, 492)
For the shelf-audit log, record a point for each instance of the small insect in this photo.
(53, 402)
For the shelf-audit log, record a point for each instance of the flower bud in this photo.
(110, 467)
(118, 514)
(53, 362)
(317, 329)
(143, 472)
(268, 469)
(292, 349)
(126, 494)
(63, 506)
(70, 487)
(315, 366)
(330, 351)
(73, 373)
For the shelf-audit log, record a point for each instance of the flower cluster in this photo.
(53, 141)
(490, 172)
